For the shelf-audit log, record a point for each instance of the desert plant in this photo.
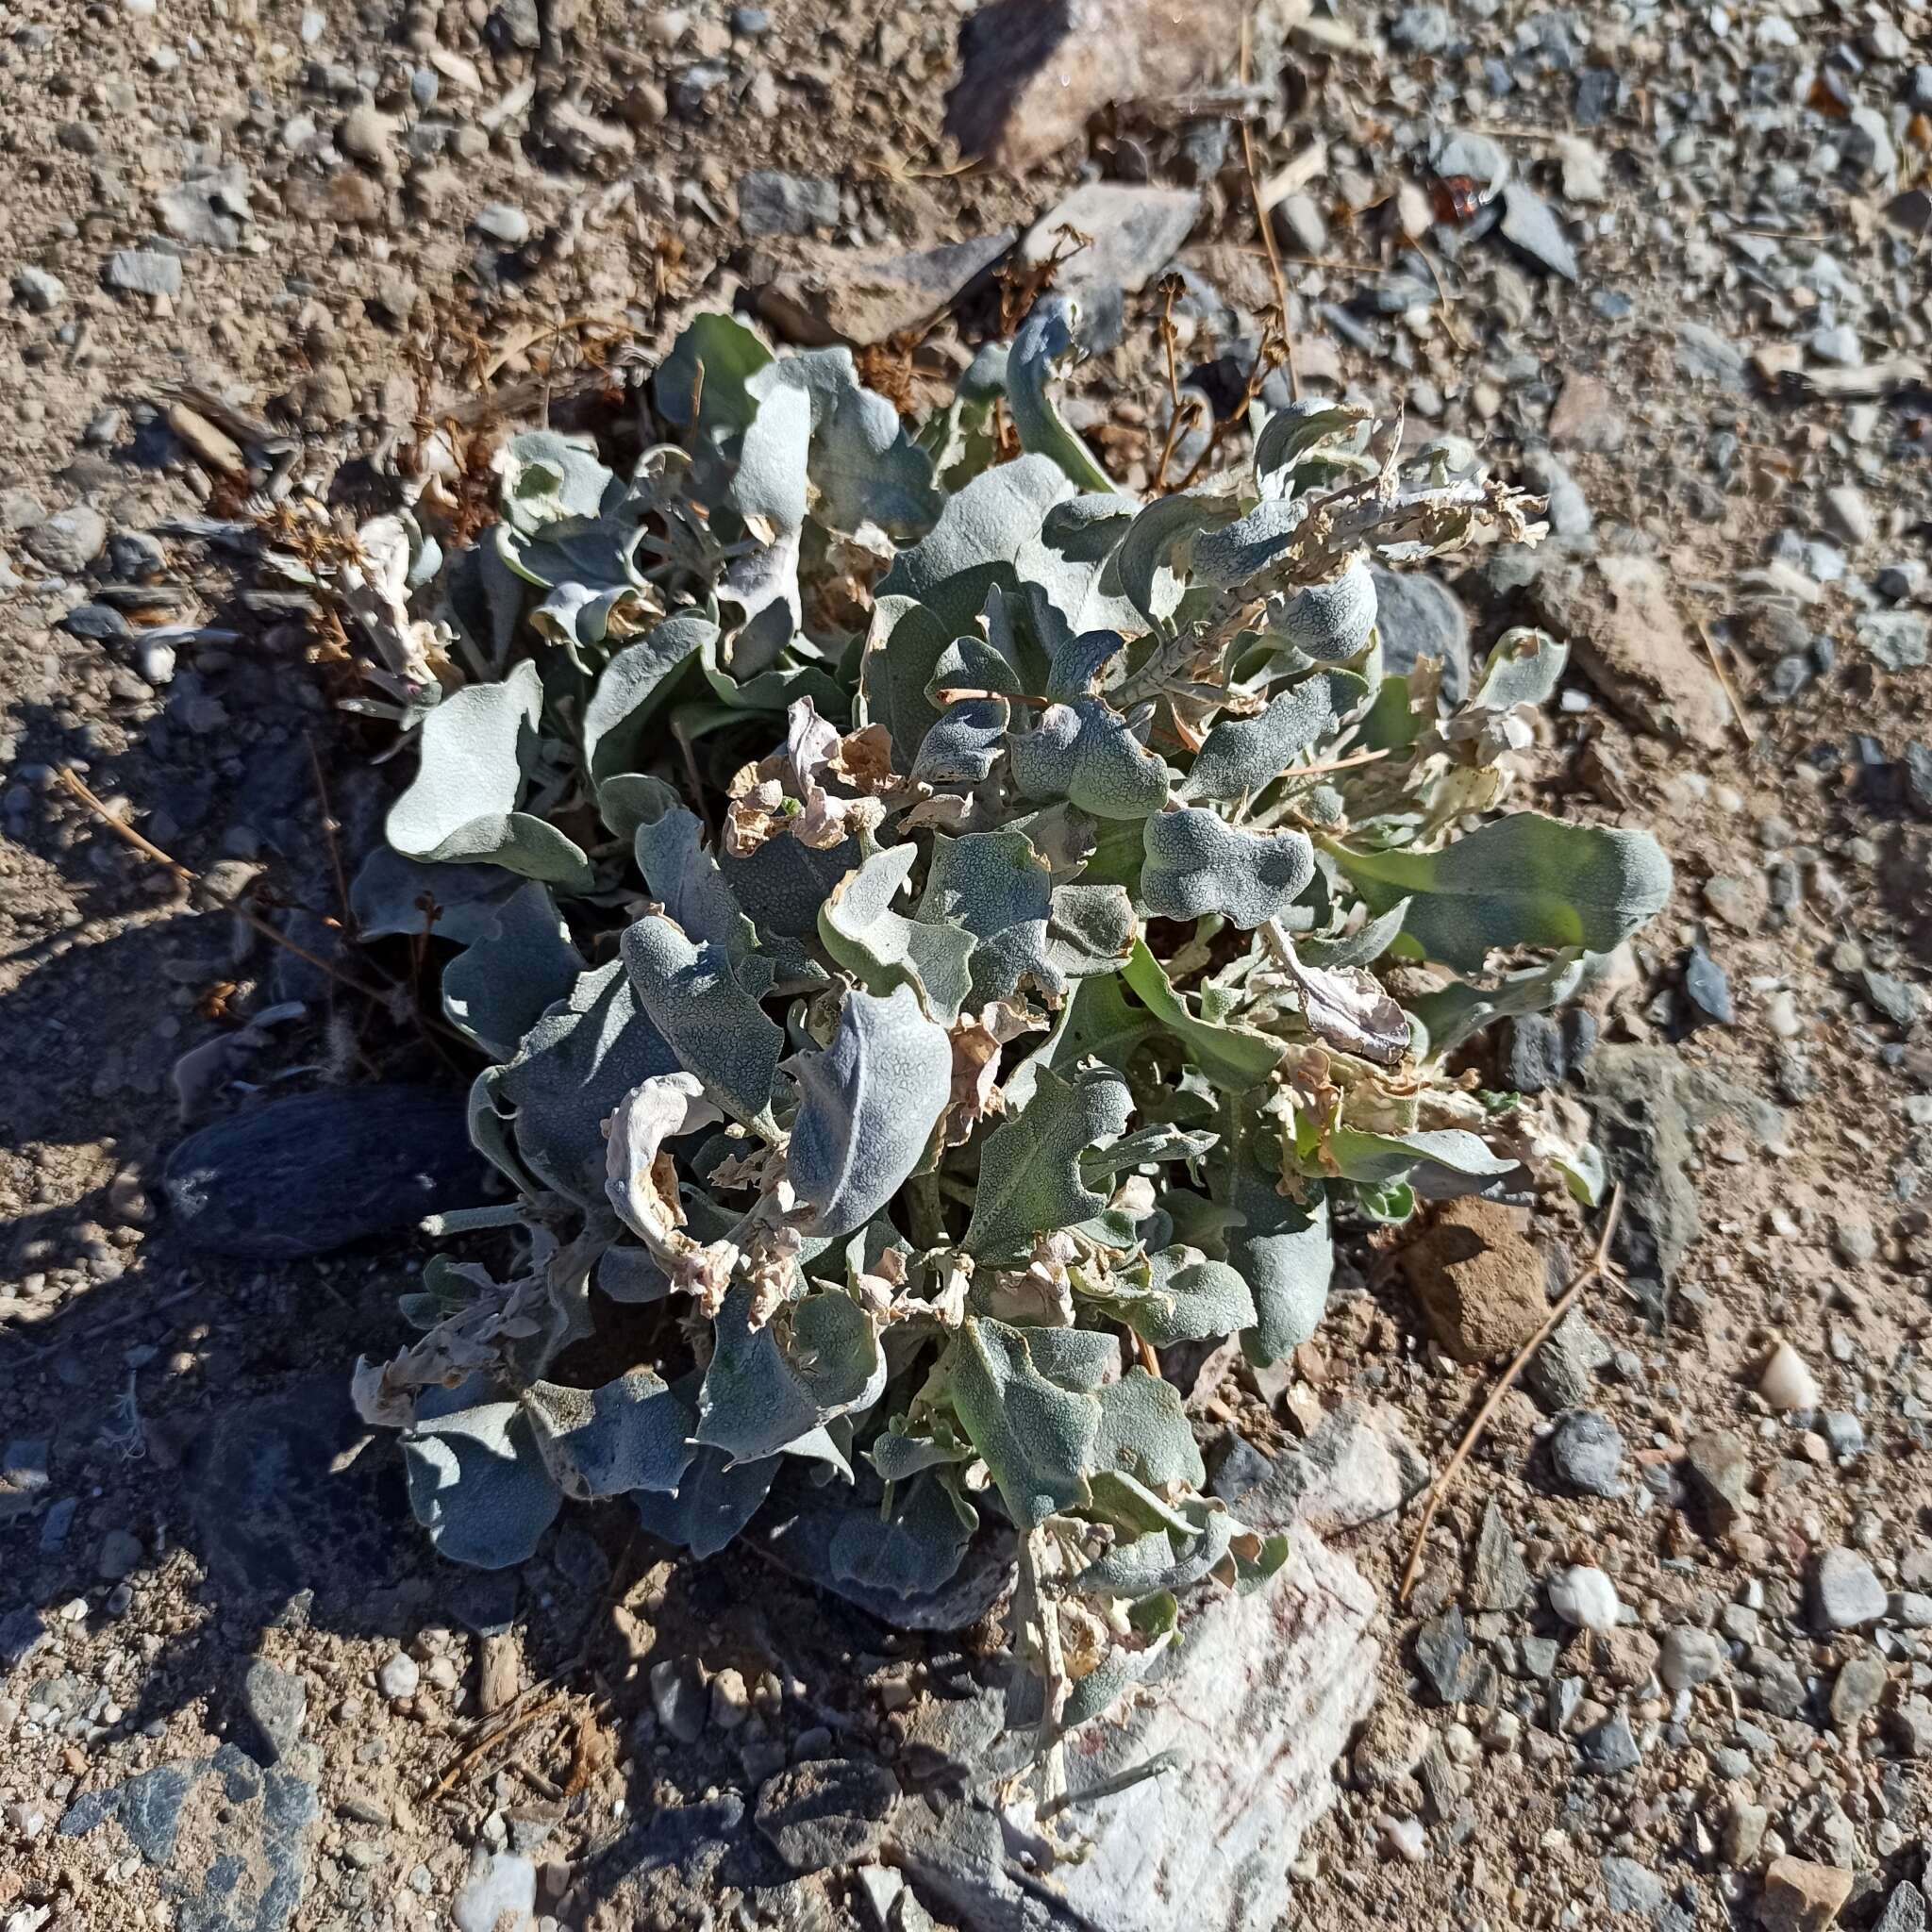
(922, 909)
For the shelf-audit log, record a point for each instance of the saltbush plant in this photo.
(944, 932)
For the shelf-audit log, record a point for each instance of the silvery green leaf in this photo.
(769, 490)
(715, 1499)
(631, 1275)
(1087, 754)
(715, 1028)
(996, 886)
(1234, 553)
(864, 466)
(1154, 559)
(1361, 947)
(1030, 1167)
(1071, 563)
(684, 878)
(1044, 343)
(1078, 662)
(546, 478)
(782, 885)
(871, 1103)
(1231, 1057)
(489, 1132)
(498, 988)
(704, 383)
(476, 1480)
(1144, 1433)
(390, 892)
(903, 652)
(774, 689)
(770, 478)
(973, 664)
(1452, 1013)
(884, 948)
(1158, 1142)
(1197, 864)
(899, 1452)
(628, 1434)
(1161, 1560)
(979, 533)
(632, 688)
(1090, 929)
(1332, 620)
(1035, 1436)
(768, 1388)
(1523, 667)
(1290, 436)
(1243, 756)
(462, 804)
(911, 1550)
(1076, 1359)
(573, 1068)
(1380, 1158)
(959, 438)
(1187, 1298)
(1280, 1246)
(635, 798)
(965, 743)
(1525, 880)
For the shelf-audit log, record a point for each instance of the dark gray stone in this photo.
(1530, 226)
(1535, 1059)
(319, 1172)
(1896, 999)
(1586, 1452)
(1708, 989)
(827, 1811)
(151, 1805)
(1632, 1888)
(772, 203)
(1442, 1654)
(1238, 1466)
(101, 624)
(1904, 1910)
(274, 1703)
(1419, 617)
(1608, 1748)
(1497, 1577)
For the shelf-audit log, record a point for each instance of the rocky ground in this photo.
(1666, 1656)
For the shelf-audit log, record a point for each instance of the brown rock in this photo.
(1479, 1279)
(499, 1673)
(1627, 638)
(1032, 71)
(864, 296)
(1800, 1896)
(1586, 417)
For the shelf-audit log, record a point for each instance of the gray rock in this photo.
(1587, 1452)
(274, 1703)
(1904, 1910)
(1260, 1699)
(1707, 357)
(1898, 639)
(1535, 1059)
(1708, 988)
(1865, 143)
(1844, 1432)
(318, 1171)
(143, 272)
(68, 541)
(498, 1883)
(867, 296)
(1856, 1691)
(1300, 224)
(1632, 1888)
(680, 1698)
(1498, 1579)
(1423, 29)
(772, 203)
(38, 291)
(1136, 231)
(1530, 225)
(1846, 1592)
(1419, 617)
(1689, 1657)
(208, 208)
(150, 1809)
(1608, 1748)
(1896, 999)
(827, 1811)
(120, 1555)
(1559, 1374)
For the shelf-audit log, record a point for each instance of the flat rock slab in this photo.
(1133, 234)
(318, 1171)
(1258, 1702)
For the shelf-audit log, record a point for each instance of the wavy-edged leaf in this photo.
(1186, 1298)
(716, 1029)
(904, 648)
(1281, 1245)
(1154, 561)
(980, 531)
(1086, 753)
(1379, 1159)
(1197, 864)
(769, 1388)
(1029, 1168)
(1525, 880)
(1292, 436)
(704, 382)
(632, 689)
(911, 1549)
(545, 478)
(1035, 1436)
(388, 894)
(1045, 341)
(573, 1068)
(872, 1100)
(498, 988)
(1233, 1056)
(1144, 1433)
(1096, 1021)
(626, 1434)
(964, 742)
(462, 803)
(1241, 755)
(714, 1500)
(477, 1482)
(1452, 1013)
(1234, 553)
(1523, 667)
(1362, 947)
(861, 929)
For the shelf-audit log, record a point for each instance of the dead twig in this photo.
(1598, 1264)
(329, 830)
(521, 1722)
(100, 1328)
(1724, 683)
(1294, 387)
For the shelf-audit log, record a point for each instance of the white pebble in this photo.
(399, 1677)
(1583, 1595)
(1787, 1384)
(1404, 1837)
